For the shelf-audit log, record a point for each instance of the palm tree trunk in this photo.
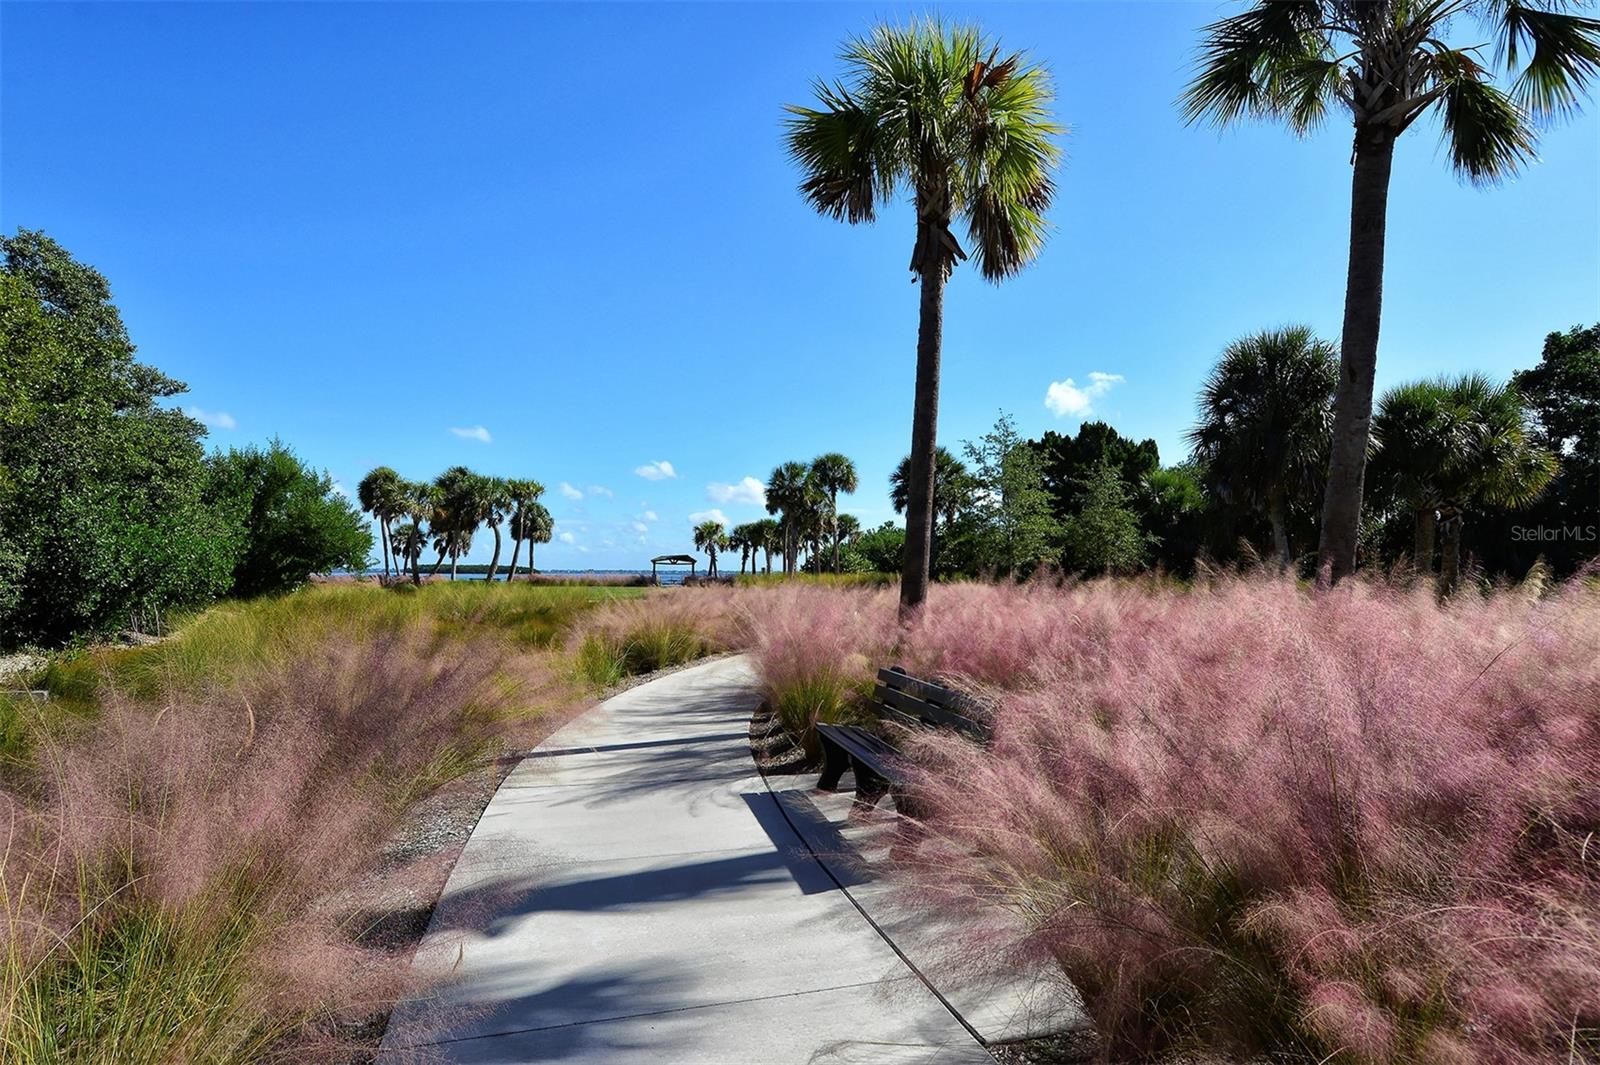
(1422, 539)
(437, 563)
(1358, 354)
(1277, 513)
(383, 539)
(494, 559)
(924, 431)
(516, 549)
(1450, 551)
(454, 559)
(833, 498)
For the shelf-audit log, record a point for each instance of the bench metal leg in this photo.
(834, 763)
(870, 787)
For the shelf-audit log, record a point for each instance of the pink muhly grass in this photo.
(1244, 817)
(817, 649)
(176, 860)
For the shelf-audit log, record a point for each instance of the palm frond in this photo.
(1565, 55)
(1248, 62)
(1487, 135)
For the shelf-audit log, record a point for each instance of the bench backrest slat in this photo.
(918, 703)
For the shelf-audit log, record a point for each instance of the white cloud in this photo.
(649, 515)
(477, 432)
(601, 490)
(749, 490)
(571, 492)
(217, 419)
(1067, 398)
(708, 515)
(656, 471)
(567, 538)
(640, 527)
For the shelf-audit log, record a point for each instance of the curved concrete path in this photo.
(635, 893)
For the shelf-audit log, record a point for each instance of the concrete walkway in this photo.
(635, 893)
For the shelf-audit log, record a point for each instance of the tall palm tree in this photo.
(1265, 416)
(788, 491)
(523, 492)
(1385, 64)
(834, 473)
(409, 540)
(710, 538)
(379, 495)
(496, 504)
(531, 522)
(1453, 444)
(417, 503)
(740, 539)
(766, 536)
(934, 111)
(459, 502)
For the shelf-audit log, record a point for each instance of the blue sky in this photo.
(563, 241)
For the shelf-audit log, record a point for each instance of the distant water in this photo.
(674, 575)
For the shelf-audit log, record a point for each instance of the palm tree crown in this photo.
(1453, 443)
(1386, 64)
(834, 473)
(934, 112)
(788, 493)
(1263, 428)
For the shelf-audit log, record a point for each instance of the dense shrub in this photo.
(1358, 827)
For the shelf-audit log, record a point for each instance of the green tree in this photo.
(459, 505)
(1173, 504)
(882, 548)
(1104, 535)
(768, 537)
(523, 494)
(937, 112)
(1067, 461)
(834, 473)
(1452, 444)
(1386, 64)
(710, 537)
(294, 522)
(380, 495)
(953, 492)
(417, 499)
(495, 505)
(789, 493)
(1018, 528)
(103, 515)
(531, 522)
(1262, 431)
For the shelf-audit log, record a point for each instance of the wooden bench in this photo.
(905, 701)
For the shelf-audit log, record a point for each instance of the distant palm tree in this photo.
(834, 473)
(532, 523)
(1385, 64)
(459, 502)
(739, 539)
(417, 503)
(788, 493)
(710, 538)
(936, 111)
(495, 505)
(952, 493)
(1262, 431)
(409, 541)
(379, 494)
(848, 529)
(1452, 444)
(524, 493)
(766, 536)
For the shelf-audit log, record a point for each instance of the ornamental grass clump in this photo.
(628, 637)
(816, 650)
(1243, 818)
(168, 870)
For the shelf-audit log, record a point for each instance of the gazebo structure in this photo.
(670, 560)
